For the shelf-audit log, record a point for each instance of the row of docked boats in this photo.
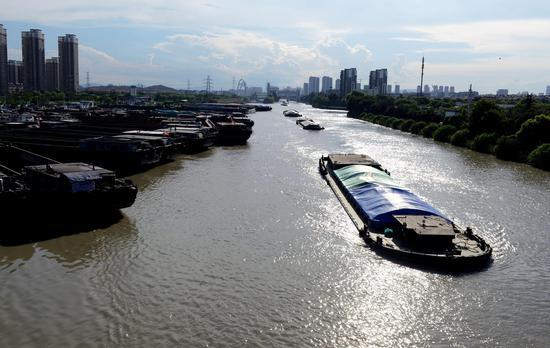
(58, 165)
(394, 221)
(129, 143)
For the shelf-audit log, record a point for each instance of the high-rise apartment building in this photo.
(3, 61)
(348, 81)
(547, 90)
(502, 92)
(15, 73)
(397, 89)
(337, 84)
(389, 89)
(426, 89)
(326, 84)
(52, 74)
(68, 63)
(34, 65)
(378, 81)
(305, 90)
(314, 85)
(435, 90)
(452, 90)
(372, 79)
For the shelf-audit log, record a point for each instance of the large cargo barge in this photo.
(63, 188)
(394, 221)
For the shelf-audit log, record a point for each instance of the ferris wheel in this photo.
(241, 87)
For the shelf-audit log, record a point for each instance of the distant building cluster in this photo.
(348, 82)
(436, 91)
(35, 72)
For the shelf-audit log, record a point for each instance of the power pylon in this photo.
(208, 84)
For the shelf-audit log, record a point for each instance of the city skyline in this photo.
(492, 47)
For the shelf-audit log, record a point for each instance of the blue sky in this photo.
(491, 44)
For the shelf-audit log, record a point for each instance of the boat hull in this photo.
(26, 202)
(384, 245)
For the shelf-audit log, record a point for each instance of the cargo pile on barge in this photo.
(396, 222)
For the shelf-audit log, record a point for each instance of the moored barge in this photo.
(394, 221)
(64, 188)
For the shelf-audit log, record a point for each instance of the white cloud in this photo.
(90, 51)
(504, 37)
(105, 68)
(486, 74)
(285, 42)
(510, 54)
(250, 54)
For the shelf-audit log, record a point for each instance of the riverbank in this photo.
(507, 148)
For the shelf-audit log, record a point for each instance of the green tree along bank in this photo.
(514, 132)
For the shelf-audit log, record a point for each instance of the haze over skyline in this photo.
(493, 44)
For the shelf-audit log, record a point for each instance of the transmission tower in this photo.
(208, 84)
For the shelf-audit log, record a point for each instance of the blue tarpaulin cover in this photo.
(380, 197)
(379, 203)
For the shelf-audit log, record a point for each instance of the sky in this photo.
(490, 44)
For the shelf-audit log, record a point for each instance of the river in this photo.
(248, 246)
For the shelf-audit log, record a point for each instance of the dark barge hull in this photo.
(233, 134)
(31, 204)
(377, 241)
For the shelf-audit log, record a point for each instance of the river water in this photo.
(248, 246)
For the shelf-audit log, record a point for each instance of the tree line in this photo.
(519, 131)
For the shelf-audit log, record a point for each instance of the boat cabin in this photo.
(426, 228)
(67, 177)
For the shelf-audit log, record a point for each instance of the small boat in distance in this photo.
(309, 124)
(284, 103)
(291, 113)
(394, 221)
